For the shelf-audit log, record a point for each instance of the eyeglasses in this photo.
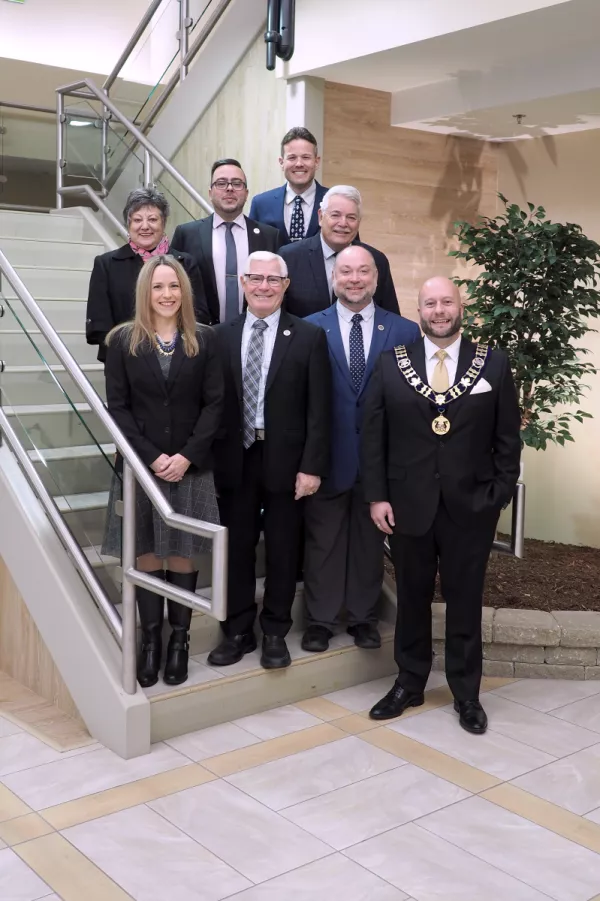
(274, 281)
(223, 183)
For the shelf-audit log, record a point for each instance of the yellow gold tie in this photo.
(439, 380)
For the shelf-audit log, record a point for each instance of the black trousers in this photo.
(343, 559)
(461, 555)
(240, 511)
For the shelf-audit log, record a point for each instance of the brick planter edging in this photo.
(532, 643)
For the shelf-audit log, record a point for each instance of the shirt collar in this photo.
(241, 221)
(327, 251)
(345, 313)
(452, 350)
(307, 196)
(272, 319)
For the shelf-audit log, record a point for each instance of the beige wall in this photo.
(563, 486)
(245, 121)
(414, 185)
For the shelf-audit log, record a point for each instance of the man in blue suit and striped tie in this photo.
(343, 564)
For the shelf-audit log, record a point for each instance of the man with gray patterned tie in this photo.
(272, 452)
(221, 243)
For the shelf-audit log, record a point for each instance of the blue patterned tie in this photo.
(297, 223)
(357, 352)
(252, 374)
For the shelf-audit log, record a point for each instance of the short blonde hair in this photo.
(141, 330)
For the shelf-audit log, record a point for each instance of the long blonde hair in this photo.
(140, 330)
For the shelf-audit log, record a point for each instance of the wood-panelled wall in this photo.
(246, 121)
(23, 653)
(414, 184)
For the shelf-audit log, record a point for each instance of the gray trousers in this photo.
(343, 559)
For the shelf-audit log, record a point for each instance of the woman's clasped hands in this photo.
(171, 469)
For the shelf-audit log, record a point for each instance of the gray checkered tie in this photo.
(252, 372)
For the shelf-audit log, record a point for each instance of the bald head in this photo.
(440, 310)
(354, 277)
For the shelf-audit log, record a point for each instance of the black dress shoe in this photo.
(472, 716)
(396, 701)
(316, 639)
(365, 635)
(231, 650)
(275, 654)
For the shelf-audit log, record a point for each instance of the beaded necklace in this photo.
(166, 348)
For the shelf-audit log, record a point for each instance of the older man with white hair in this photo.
(310, 262)
(272, 452)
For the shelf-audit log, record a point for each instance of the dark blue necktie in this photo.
(357, 352)
(297, 223)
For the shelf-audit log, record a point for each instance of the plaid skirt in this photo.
(194, 496)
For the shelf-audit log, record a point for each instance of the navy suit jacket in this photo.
(389, 330)
(268, 209)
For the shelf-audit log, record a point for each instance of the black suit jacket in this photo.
(308, 291)
(111, 296)
(177, 415)
(297, 406)
(474, 467)
(195, 238)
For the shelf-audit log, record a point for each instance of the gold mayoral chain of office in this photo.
(441, 424)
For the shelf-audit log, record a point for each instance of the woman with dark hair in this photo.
(165, 391)
(112, 284)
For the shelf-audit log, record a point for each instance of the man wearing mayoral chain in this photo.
(440, 459)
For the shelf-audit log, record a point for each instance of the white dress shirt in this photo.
(219, 251)
(269, 335)
(308, 203)
(345, 320)
(329, 256)
(451, 360)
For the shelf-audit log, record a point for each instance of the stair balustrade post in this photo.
(128, 561)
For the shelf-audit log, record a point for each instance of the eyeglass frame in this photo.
(280, 279)
(229, 181)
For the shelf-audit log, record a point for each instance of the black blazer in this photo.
(297, 406)
(474, 467)
(111, 297)
(195, 238)
(177, 415)
(309, 292)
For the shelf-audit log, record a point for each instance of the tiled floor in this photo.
(314, 801)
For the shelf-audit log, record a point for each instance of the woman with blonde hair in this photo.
(164, 389)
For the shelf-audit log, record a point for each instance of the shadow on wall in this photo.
(459, 191)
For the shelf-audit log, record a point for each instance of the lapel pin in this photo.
(257, 231)
(287, 332)
(381, 327)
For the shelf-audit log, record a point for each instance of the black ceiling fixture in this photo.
(279, 36)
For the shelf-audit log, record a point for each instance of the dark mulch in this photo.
(549, 577)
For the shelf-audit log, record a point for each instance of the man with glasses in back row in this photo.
(222, 242)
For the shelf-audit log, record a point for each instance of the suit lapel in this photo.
(317, 265)
(465, 358)
(149, 355)
(176, 361)
(313, 225)
(378, 339)
(416, 355)
(283, 340)
(255, 235)
(336, 345)
(235, 351)
(280, 207)
(205, 230)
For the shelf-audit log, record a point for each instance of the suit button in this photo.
(166, 403)
(436, 476)
(167, 430)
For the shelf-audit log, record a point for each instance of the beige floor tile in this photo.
(22, 751)
(17, 882)
(316, 772)
(356, 723)
(23, 829)
(493, 753)
(7, 728)
(538, 857)
(152, 860)
(71, 875)
(257, 842)
(585, 712)
(357, 812)
(432, 869)
(277, 722)
(548, 694)
(212, 741)
(322, 708)
(361, 697)
(10, 805)
(462, 774)
(490, 683)
(332, 877)
(544, 813)
(284, 746)
(571, 783)
(115, 799)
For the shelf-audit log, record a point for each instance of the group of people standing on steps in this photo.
(261, 369)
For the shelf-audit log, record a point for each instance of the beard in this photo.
(453, 328)
(362, 300)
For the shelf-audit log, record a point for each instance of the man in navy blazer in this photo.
(343, 563)
(293, 208)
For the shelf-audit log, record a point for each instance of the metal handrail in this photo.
(95, 198)
(134, 470)
(152, 152)
(144, 22)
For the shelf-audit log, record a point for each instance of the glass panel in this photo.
(69, 446)
(27, 158)
(83, 143)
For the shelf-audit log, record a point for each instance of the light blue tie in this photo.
(252, 374)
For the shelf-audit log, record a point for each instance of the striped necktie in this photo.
(252, 374)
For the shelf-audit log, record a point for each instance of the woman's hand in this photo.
(176, 468)
(160, 464)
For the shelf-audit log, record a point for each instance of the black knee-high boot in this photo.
(151, 608)
(180, 617)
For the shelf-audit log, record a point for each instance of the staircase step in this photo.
(52, 281)
(48, 252)
(57, 425)
(18, 350)
(64, 315)
(14, 224)
(81, 452)
(82, 469)
(94, 500)
(37, 382)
